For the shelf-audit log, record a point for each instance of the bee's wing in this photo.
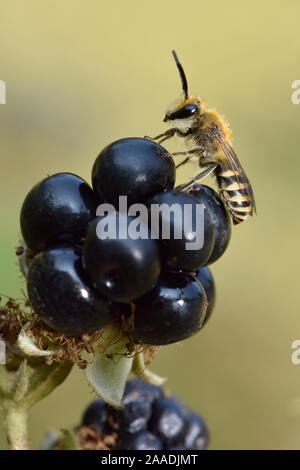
(234, 164)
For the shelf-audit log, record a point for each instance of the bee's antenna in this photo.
(182, 75)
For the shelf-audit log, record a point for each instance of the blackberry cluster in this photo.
(79, 282)
(148, 421)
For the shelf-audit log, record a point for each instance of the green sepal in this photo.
(108, 370)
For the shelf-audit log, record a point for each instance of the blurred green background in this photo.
(80, 74)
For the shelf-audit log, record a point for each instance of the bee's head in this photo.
(187, 108)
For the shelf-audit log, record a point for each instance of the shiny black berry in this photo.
(132, 418)
(63, 297)
(196, 436)
(219, 216)
(96, 415)
(206, 279)
(169, 420)
(143, 390)
(143, 440)
(121, 268)
(132, 167)
(170, 312)
(137, 400)
(58, 209)
(187, 241)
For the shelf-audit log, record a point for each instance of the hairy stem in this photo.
(31, 385)
(16, 418)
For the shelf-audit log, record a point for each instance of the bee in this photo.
(208, 137)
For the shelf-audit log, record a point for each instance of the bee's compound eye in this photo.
(183, 113)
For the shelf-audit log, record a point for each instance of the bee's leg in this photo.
(198, 150)
(183, 162)
(201, 175)
(168, 134)
(164, 136)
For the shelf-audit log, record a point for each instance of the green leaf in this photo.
(43, 380)
(108, 372)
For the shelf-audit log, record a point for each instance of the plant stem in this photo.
(31, 384)
(139, 369)
(16, 418)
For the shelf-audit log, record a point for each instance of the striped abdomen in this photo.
(236, 200)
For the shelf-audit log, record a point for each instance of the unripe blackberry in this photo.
(169, 420)
(137, 400)
(96, 415)
(196, 437)
(143, 440)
